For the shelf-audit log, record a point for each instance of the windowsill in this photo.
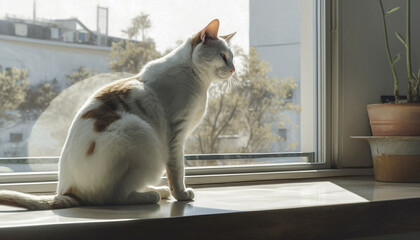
(46, 182)
(344, 207)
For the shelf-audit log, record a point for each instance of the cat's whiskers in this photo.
(233, 83)
(237, 50)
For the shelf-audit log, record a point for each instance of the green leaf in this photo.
(400, 38)
(396, 58)
(391, 10)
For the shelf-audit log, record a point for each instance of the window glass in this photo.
(56, 53)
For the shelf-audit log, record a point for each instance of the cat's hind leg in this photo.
(150, 197)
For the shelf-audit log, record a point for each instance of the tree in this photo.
(131, 55)
(138, 24)
(13, 85)
(44, 94)
(246, 115)
(80, 74)
(39, 97)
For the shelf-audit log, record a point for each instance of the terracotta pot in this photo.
(395, 158)
(394, 119)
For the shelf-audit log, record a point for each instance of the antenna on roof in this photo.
(34, 14)
(102, 25)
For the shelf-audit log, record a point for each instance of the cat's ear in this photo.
(210, 32)
(228, 37)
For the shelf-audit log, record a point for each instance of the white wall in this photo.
(274, 30)
(46, 60)
(364, 73)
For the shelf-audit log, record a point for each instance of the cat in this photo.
(128, 132)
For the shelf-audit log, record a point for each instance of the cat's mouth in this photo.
(225, 73)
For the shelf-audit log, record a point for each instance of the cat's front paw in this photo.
(186, 195)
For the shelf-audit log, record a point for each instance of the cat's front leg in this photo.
(176, 176)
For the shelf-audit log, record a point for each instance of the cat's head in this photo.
(211, 53)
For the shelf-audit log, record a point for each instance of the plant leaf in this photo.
(396, 58)
(400, 38)
(391, 10)
(413, 76)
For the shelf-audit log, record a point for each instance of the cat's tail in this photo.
(34, 202)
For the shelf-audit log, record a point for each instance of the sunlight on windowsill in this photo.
(227, 199)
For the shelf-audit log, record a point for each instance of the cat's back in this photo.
(110, 103)
(172, 68)
(111, 108)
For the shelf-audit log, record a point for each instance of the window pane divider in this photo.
(19, 177)
(229, 156)
(310, 163)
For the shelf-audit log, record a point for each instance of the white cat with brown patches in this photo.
(130, 131)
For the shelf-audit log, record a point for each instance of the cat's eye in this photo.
(223, 57)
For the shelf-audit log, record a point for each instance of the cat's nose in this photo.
(232, 70)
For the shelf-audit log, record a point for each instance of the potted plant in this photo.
(401, 118)
(395, 144)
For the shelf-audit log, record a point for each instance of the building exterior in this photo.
(281, 48)
(51, 50)
(13, 139)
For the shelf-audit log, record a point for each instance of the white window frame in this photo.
(321, 113)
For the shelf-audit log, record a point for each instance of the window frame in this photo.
(321, 159)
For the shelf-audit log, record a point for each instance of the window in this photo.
(16, 137)
(57, 53)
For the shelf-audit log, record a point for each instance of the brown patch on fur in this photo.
(103, 117)
(111, 97)
(119, 88)
(91, 149)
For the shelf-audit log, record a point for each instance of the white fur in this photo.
(132, 152)
(129, 155)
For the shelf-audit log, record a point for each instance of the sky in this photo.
(172, 20)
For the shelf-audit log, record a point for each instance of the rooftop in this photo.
(71, 31)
